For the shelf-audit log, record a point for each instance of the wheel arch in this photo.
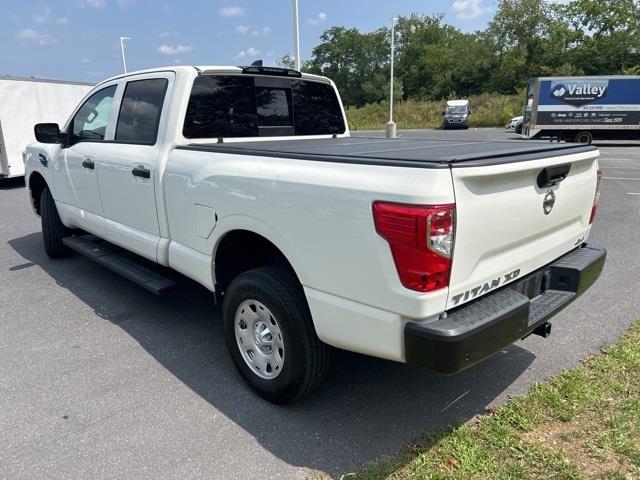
(239, 250)
(36, 184)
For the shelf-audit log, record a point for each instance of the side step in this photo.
(111, 257)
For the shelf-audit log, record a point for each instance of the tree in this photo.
(606, 34)
(286, 62)
(357, 62)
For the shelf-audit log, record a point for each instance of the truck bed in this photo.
(396, 152)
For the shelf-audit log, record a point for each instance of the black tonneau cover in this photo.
(397, 152)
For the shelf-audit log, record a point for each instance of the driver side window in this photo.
(90, 122)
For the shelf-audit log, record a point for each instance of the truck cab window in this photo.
(274, 107)
(243, 106)
(221, 106)
(316, 107)
(90, 122)
(140, 111)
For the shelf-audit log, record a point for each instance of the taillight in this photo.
(421, 240)
(596, 198)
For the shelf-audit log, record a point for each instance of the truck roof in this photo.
(205, 69)
(457, 103)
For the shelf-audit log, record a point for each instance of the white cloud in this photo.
(244, 29)
(468, 9)
(248, 53)
(171, 50)
(62, 21)
(37, 37)
(86, 60)
(232, 11)
(168, 33)
(320, 18)
(261, 32)
(43, 15)
(94, 3)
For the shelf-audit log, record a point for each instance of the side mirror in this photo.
(47, 132)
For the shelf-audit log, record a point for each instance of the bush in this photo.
(487, 110)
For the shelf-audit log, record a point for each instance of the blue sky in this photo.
(79, 39)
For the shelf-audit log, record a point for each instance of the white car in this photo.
(514, 121)
(246, 180)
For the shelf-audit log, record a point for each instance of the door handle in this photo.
(88, 163)
(141, 172)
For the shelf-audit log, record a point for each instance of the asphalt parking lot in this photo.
(101, 379)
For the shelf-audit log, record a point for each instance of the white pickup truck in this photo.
(245, 179)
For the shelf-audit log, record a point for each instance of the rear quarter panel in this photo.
(318, 213)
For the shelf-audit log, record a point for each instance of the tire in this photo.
(53, 231)
(299, 360)
(584, 137)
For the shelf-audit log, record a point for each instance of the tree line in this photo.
(525, 38)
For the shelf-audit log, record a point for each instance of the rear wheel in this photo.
(584, 137)
(53, 231)
(270, 335)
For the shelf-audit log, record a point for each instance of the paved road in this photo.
(100, 379)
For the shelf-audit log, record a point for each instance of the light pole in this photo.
(296, 34)
(391, 126)
(124, 62)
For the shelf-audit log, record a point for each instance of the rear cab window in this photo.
(258, 106)
(140, 111)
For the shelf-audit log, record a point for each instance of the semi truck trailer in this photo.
(583, 109)
(25, 102)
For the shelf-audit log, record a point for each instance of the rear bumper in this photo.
(477, 330)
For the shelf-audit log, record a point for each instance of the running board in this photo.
(110, 256)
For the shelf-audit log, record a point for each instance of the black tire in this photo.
(53, 231)
(306, 357)
(584, 138)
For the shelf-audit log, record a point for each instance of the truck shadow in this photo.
(11, 183)
(368, 407)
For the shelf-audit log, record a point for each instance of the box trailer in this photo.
(25, 102)
(581, 109)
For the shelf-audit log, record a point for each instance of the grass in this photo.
(581, 424)
(487, 110)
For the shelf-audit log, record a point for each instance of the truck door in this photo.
(88, 130)
(128, 177)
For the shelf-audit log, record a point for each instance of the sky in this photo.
(80, 39)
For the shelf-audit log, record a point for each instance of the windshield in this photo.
(457, 109)
(252, 106)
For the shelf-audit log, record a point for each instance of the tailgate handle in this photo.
(551, 176)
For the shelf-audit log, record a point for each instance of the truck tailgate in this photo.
(510, 222)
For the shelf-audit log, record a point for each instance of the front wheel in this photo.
(53, 231)
(270, 335)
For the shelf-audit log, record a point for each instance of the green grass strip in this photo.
(581, 424)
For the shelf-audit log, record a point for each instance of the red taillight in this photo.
(421, 241)
(596, 197)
